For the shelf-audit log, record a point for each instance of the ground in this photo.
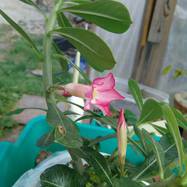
(16, 62)
(17, 80)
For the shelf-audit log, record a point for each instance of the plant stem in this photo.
(48, 72)
(47, 67)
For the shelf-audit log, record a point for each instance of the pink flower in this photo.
(102, 93)
(122, 138)
(74, 89)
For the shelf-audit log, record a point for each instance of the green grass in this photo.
(16, 62)
(15, 77)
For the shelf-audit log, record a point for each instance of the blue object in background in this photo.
(18, 157)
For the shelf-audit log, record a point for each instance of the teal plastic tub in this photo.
(18, 157)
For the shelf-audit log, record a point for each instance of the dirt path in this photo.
(22, 13)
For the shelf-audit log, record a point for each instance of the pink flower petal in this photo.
(121, 120)
(104, 83)
(78, 90)
(105, 109)
(107, 97)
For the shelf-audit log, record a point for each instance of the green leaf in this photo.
(46, 140)
(110, 15)
(80, 1)
(95, 51)
(166, 70)
(98, 161)
(151, 111)
(68, 134)
(182, 122)
(85, 117)
(64, 64)
(174, 130)
(126, 181)
(130, 117)
(160, 129)
(66, 131)
(62, 20)
(20, 31)
(178, 73)
(159, 152)
(66, 61)
(15, 112)
(145, 146)
(136, 92)
(29, 2)
(60, 176)
(170, 182)
(20, 110)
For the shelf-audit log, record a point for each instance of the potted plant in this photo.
(164, 161)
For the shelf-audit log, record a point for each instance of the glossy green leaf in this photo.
(151, 112)
(158, 151)
(174, 130)
(95, 51)
(166, 70)
(126, 181)
(60, 176)
(62, 20)
(136, 92)
(20, 31)
(110, 15)
(66, 132)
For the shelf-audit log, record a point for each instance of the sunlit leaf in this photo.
(158, 151)
(166, 70)
(182, 122)
(174, 130)
(136, 92)
(151, 111)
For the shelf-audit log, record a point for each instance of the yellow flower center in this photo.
(94, 94)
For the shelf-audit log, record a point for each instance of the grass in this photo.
(16, 62)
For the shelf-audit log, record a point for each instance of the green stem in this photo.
(47, 68)
(48, 72)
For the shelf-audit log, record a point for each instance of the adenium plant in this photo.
(162, 159)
